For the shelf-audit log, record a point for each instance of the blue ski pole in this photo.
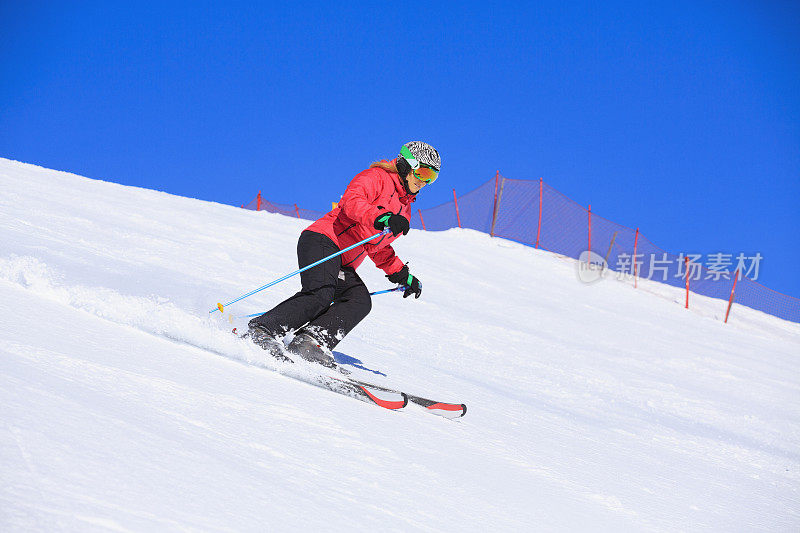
(221, 307)
(398, 288)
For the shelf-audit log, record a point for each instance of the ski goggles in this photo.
(421, 171)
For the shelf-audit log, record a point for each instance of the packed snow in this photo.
(127, 406)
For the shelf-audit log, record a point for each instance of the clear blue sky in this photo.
(681, 118)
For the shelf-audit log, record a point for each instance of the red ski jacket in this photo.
(370, 194)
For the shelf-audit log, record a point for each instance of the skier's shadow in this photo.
(344, 359)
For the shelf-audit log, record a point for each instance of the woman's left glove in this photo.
(403, 277)
(397, 224)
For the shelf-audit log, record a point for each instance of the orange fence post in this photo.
(421, 219)
(635, 271)
(539, 225)
(589, 255)
(733, 290)
(296, 211)
(258, 201)
(458, 215)
(686, 263)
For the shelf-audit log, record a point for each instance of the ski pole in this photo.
(398, 288)
(220, 306)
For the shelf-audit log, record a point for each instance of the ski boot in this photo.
(312, 351)
(261, 337)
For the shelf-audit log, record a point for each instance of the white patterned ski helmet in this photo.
(424, 153)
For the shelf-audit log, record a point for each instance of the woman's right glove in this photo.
(402, 277)
(397, 224)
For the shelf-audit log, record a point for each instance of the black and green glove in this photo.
(402, 277)
(397, 224)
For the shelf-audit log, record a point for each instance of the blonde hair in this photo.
(388, 166)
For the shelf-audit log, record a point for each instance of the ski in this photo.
(447, 410)
(379, 395)
(386, 398)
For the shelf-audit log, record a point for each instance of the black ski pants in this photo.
(331, 302)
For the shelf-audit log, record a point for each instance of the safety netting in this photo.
(260, 204)
(534, 213)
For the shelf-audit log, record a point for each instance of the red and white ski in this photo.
(385, 397)
(447, 410)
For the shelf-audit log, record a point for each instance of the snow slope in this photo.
(596, 407)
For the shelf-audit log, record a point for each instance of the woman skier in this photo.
(333, 299)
